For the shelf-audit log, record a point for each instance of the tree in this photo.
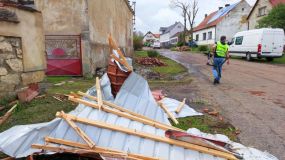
(191, 14)
(275, 18)
(138, 40)
(183, 6)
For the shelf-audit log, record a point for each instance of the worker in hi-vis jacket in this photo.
(221, 55)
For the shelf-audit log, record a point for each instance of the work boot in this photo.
(215, 81)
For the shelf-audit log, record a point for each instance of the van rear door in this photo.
(272, 43)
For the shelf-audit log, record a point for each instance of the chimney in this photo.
(220, 8)
(206, 15)
(226, 5)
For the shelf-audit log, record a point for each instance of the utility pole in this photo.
(134, 17)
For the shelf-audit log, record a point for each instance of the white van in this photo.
(156, 44)
(258, 43)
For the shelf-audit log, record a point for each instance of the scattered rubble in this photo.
(152, 61)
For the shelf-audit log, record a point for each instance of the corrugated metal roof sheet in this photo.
(134, 95)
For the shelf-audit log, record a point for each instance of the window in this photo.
(204, 36)
(261, 11)
(239, 40)
(210, 35)
(197, 37)
(178, 26)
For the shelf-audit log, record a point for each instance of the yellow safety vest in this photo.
(221, 49)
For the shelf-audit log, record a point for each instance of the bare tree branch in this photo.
(191, 14)
(183, 6)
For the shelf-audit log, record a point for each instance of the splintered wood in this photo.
(151, 137)
(181, 105)
(121, 57)
(7, 114)
(81, 133)
(99, 93)
(170, 115)
(125, 113)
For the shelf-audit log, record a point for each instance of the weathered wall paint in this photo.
(254, 17)
(93, 20)
(30, 29)
(233, 22)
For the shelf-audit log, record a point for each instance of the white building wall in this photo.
(164, 38)
(233, 22)
(178, 28)
(207, 41)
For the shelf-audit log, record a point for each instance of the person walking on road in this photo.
(221, 55)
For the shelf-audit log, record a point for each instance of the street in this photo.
(251, 96)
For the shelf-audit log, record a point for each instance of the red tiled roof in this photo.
(204, 24)
(156, 35)
(276, 2)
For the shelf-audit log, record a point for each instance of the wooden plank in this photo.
(149, 136)
(77, 151)
(114, 46)
(7, 114)
(81, 133)
(125, 114)
(181, 105)
(110, 104)
(170, 115)
(97, 148)
(99, 93)
(125, 63)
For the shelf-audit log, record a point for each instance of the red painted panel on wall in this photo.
(63, 55)
(64, 67)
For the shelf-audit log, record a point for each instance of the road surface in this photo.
(251, 96)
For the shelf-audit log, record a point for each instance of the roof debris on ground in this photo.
(128, 125)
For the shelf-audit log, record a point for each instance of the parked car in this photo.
(192, 44)
(258, 43)
(156, 44)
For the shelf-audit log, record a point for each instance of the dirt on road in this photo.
(251, 96)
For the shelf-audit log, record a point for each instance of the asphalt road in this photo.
(251, 96)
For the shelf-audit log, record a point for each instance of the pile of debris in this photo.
(131, 124)
(152, 61)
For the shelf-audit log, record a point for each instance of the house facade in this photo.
(226, 21)
(150, 37)
(76, 33)
(167, 32)
(260, 9)
(22, 53)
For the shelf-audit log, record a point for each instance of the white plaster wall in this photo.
(164, 37)
(233, 22)
(178, 28)
(207, 41)
(252, 20)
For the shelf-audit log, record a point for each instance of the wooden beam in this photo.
(7, 114)
(97, 148)
(181, 105)
(150, 136)
(77, 151)
(170, 115)
(122, 58)
(125, 114)
(99, 93)
(81, 133)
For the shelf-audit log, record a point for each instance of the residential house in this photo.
(226, 21)
(22, 53)
(76, 33)
(260, 9)
(167, 32)
(150, 37)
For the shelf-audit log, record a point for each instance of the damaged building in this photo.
(76, 33)
(22, 56)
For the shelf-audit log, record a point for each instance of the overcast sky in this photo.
(153, 14)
